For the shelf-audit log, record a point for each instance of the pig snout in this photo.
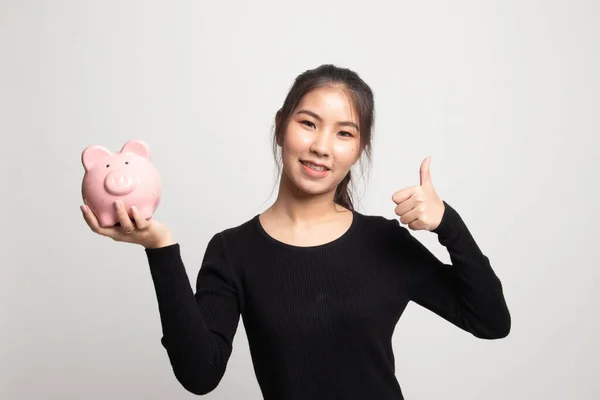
(119, 183)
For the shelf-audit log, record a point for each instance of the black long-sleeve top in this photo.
(320, 319)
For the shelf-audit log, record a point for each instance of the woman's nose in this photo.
(321, 144)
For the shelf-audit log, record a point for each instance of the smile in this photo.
(313, 170)
(314, 167)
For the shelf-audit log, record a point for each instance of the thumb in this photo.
(425, 172)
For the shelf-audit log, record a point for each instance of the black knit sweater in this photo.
(319, 319)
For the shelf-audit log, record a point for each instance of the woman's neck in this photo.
(295, 207)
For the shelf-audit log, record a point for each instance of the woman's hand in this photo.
(419, 206)
(148, 233)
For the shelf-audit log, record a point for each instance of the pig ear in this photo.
(138, 147)
(92, 154)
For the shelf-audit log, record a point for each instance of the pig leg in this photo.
(147, 211)
(107, 219)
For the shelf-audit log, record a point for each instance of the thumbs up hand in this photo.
(420, 206)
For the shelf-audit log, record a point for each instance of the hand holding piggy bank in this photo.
(119, 187)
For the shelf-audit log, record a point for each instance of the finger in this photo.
(425, 172)
(140, 222)
(404, 194)
(417, 196)
(89, 217)
(405, 206)
(92, 221)
(417, 225)
(411, 216)
(126, 223)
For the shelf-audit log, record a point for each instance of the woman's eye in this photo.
(347, 133)
(307, 123)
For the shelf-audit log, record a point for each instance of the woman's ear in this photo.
(277, 116)
(277, 119)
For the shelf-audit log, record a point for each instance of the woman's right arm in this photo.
(198, 329)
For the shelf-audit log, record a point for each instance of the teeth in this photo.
(314, 167)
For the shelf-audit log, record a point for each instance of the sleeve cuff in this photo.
(163, 256)
(451, 225)
(158, 251)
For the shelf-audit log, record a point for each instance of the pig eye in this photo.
(126, 162)
(107, 165)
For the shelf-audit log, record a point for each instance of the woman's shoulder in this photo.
(378, 220)
(241, 230)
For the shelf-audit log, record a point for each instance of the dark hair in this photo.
(362, 98)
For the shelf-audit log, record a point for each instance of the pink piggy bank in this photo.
(127, 175)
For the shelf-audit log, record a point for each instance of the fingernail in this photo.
(134, 209)
(83, 209)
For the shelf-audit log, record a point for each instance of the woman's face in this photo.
(323, 129)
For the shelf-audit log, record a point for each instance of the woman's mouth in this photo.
(314, 167)
(314, 171)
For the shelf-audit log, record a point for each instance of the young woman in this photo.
(320, 286)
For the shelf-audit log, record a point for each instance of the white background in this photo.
(502, 94)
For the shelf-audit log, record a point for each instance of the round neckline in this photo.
(277, 242)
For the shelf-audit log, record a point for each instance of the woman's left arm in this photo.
(466, 293)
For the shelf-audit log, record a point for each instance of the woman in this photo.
(320, 286)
